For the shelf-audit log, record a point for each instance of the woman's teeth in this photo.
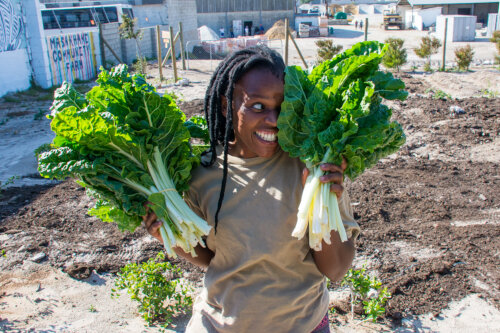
(271, 137)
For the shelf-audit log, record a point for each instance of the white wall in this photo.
(15, 71)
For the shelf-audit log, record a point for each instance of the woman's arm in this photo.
(335, 259)
(204, 255)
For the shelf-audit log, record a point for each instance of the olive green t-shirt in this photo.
(261, 279)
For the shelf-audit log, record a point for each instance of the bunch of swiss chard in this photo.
(127, 145)
(336, 112)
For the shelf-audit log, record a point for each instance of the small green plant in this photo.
(464, 56)
(92, 308)
(428, 47)
(157, 286)
(368, 291)
(9, 181)
(438, 94)
(495, 38)
(39, 115)
(140, 66)
(3, 253)
(396, 55)
(11, 99)
(489, 93)
(326, 49)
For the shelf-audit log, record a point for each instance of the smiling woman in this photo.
(256, 106)
(258, 276)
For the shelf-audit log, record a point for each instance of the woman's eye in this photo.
(258, 106)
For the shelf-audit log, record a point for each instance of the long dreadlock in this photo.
(229, 72)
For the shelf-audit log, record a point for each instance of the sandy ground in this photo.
(38, 298)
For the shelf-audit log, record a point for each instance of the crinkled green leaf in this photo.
(338, 106)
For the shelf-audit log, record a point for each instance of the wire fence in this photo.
(206, 55)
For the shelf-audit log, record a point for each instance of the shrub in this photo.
(496, 39)
(326, 49)
(367, 290)
(396, 55)
(157, 286)
(428, 47)
(464, 56)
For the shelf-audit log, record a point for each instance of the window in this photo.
(128, 12)
(49, 20)
(111, 13)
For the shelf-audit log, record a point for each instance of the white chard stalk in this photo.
(318, 210)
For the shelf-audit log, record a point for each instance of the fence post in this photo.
(158, 52)
(172, 50)
(286, 41)
(101, 46)
(366, 29)
(182, 47)
(444, 43)
(298, 50)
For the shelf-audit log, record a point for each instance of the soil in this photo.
(429, 214)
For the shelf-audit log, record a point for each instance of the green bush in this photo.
(464, 56)
(326, 49)
(396, 55)
(367, 290)
(496, 39)
(428, 47)
(158, 287)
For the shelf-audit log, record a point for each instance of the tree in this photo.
(428, 47)
(396, 55)
(127, 31)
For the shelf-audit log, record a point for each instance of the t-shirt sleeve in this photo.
(351, 226)
(192, 200)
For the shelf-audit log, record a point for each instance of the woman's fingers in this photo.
(334, 176)
(152, 223)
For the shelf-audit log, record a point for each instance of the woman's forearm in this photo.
(203, 258)
(334, 260)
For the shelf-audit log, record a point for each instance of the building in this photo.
(478, 8)
(235, 16)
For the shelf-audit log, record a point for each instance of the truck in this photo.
(392, 19)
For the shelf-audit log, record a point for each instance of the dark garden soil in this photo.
(429, 214)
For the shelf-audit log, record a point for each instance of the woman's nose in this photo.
(272, 117)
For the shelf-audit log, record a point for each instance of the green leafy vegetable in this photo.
(332, 113)
(127, 145)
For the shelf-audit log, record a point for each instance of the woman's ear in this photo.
(223, 100)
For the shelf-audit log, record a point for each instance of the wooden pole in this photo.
(112, 51)
(287, 33)
(444, 44)
(158, 52)
(101, 46)
(172, 52)
(169, 51)
(366, 29)
(182, 47)
(297, 48)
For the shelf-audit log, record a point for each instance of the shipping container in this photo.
(461, 28)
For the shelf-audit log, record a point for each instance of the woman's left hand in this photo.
(334, 176)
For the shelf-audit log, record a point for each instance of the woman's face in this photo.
(257, 98)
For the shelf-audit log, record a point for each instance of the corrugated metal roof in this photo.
(448, 2)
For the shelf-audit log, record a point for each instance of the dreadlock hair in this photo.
(229, 72)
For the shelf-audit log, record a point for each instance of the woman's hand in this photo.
(152, 224)
(334, 176)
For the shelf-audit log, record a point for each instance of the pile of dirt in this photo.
(277, 31)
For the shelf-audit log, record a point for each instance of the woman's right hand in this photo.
(152, 224)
